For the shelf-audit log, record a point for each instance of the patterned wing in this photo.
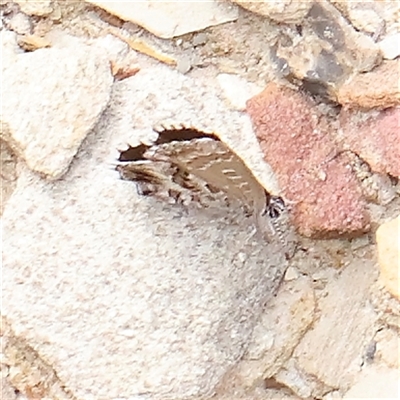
(185, 165)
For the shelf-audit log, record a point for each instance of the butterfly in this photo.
(186, 165)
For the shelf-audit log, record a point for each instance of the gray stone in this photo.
(325, 52)
(123, 294)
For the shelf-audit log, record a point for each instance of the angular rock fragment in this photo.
(170, 19)
(51, 100)
(374, 136)
(379, 88)
(325, 196)
(324, 51)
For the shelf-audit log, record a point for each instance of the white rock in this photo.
(376, 383)
(332, 351)
(390, 46)
(170, 19)
(51, 100)
(21, 24)
(237, 90)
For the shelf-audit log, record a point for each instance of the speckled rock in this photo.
(40, 8)
(295, 142)
(52, 98)
(170, 19)
(388, 243)
(379, 88)
(123, 294)
(374, 136)
(286, 11)
(278, 331)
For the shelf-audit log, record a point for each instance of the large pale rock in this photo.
(51, 99)
(123, 294)
(170, 19)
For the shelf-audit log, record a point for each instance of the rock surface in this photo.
(324, 52)
(40, 8)
(374, 136)
(378, 383)
(296, 144)
(377, 89)
(388, 242)
(168, 20)
(52, 98)
(316, 354)
(279, 331)
(285, 11)
(146, 287)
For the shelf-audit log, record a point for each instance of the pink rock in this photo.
(325, 197)
(374, 137)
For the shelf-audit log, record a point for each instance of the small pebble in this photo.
(199, 39)
(184, 65)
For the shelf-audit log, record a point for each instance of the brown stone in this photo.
(324, 194)
(379, 88)
(375, 137)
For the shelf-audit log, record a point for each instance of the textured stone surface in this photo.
(286, 11)
(390, 46)
(379, 88)
(376, 383)
(388, 347)
(296, 144)
(123, 294)
(237, 90)
(325, 51)
(374, 136)
(8, 174)
(345, 326)
(51, 100)
(279, 331)
(40, 8)
(388, 242)
(170, 19)
(375, 17)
